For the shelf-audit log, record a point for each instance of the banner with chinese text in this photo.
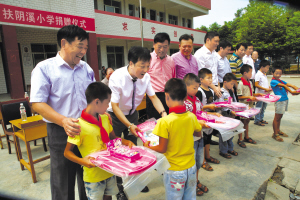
(20, 15)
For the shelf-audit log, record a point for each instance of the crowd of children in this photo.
(184, 140)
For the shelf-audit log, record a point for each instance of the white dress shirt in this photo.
(262, 80)
(208, 59)
(223, 67)
(248, 60)
(121, 85)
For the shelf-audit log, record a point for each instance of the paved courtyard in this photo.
(236, 178)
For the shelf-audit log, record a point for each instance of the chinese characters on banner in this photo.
(19, 15)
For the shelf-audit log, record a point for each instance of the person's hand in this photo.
(295, 93)
(260, 94)
(217, 91)
(233, 113)
(146, 144)
(269, 90)
(87, 162)
(109, 117)
(203, 124)
(134, 129)
(252, 98)
(212, 106)
(217, 114)
(128, 143)
(71, 127)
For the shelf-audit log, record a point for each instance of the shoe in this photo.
(121, 196)
(146, 189)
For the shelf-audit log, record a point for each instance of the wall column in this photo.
(92, 55)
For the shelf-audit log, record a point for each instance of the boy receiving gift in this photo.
(280, 87)
(176, 141)
(96, 130)
(246, 96)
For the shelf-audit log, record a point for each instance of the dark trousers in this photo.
(120, 128)
(63, 171)
(151, 111)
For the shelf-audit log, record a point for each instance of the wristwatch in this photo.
(130, 126)
(162, 112)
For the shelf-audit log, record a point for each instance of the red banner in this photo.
(20, 15)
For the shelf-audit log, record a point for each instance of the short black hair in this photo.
(229, 77)
(249, 44)
(176, 88)
(186, 37)
(190, 78)
(70, 33)
(203, 72)
(161, 37)
(239, 45)
(107, 70)
(224, 44)
(138, 53)
(264, 63)
(274, 68)
(210, 35)
(245, 68)
(97, 90)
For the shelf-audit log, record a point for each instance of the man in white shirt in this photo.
(223, 63)
(247, 59)
(129, 85)
(206, 58)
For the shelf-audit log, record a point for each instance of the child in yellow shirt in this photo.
(96, 130)
(176, 141)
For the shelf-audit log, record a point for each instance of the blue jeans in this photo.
(260, 116)
(180, 185)
(225, 146)
(199, 152)
(97, 190)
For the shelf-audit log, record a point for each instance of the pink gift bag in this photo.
(268, 98)
(248, 113)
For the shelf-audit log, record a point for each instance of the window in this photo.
(41, 52)
(112, 6)
(189, 23)
(172, 51)
(131, 10)
(153, 15)
(183, 22)
(173, 19)
(115, 56)
(143, 12)
(161, 16)
(96, 4)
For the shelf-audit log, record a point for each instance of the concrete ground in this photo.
(236, 178)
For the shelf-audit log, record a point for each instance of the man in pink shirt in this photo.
(162, 68)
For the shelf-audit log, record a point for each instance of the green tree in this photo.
(203, 28)
(264, 25)
(214, 27)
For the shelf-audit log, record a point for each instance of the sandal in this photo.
(225, 155)
(283, 134)
(233, 152)
(207, 167)
(212, 160)
(249, 140)
(199, 192)
(241, 143)
(203, 188)
(277, 138)
(264, 122)
(259, 124)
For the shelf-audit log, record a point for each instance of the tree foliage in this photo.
(273, 30)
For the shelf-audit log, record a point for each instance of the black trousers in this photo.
(63, 171)
(151, 111)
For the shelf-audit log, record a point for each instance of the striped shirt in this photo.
(235, 64)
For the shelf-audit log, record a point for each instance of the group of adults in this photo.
(59, 84)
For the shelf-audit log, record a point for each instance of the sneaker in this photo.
(146, 189)
(121, 196)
